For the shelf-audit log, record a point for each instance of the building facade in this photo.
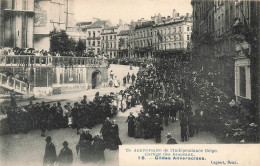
(231, 35)
(109, 44)
(93, 35)
(51, 15)
(123, 43)
(160, 35)
(17, 17)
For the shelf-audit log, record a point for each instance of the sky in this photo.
(127, 10)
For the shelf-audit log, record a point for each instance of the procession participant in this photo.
(112, 74)
(119, 103)
(75, 117)
(59, 118)
(65, 158)
(116, 84)
(105, 131)
(148, 127)
(128, 77)
(85, 146)
(131, 125)
(139, 126)
(98, 149)
(124, 103)
(133, 79)
(84, 101)
(184, 126)
(124, 81)
(157, 132)
(173, 111)
(114, 136)
(170, 139)
(129, 99)
(50, 153)
(44, 118)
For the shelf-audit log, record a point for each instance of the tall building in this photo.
(16, 23)
(109, 41)
(123, 43)
(160, 36)
(51, 15)
(93, 33)
(231, 39)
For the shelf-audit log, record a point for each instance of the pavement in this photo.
(28, 149)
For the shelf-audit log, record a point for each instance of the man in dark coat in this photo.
(133, 78)
(128, 77)
(157, 132)
(65, 158)
(84, 101)
(50, 153)
(131, 125)
(170, 139)
(184, 126)
(85, 146)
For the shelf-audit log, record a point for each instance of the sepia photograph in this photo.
(82, 79)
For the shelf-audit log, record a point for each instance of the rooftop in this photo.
(123, 33)
(97, 24)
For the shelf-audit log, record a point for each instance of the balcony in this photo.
(49, 61)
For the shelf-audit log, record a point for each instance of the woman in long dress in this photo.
(114, 136)
(131, 125)
(139, 126)
(119, 102)
(124, 103)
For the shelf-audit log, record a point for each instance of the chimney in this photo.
(178, 15)
(187, 14)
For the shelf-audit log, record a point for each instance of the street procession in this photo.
(73, 93)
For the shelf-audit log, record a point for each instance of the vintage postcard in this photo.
(129, 82)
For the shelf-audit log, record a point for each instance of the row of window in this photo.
(150, 42)
(149, 33)
(110, 37)
(140, 43)
(109, 45)
(93, 43)
(93, 33)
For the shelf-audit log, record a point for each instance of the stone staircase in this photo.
(15, 85)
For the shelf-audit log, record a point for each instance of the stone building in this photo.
(50, 15)
(16, 23)
(109, 43)
(160, 35)
(226, 46)
(93, 33)
(123, 43)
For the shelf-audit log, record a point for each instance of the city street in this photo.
(28, 149)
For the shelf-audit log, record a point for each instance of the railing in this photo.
(15, 84)
(52, 61)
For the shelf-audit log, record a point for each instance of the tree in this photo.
(60, 42)
(81, 46)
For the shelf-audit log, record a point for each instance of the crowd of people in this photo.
(89, 149)
(47, 116)
(31, 51)
(166, 88)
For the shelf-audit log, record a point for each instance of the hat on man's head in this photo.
(48, 138)
(65, 143)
